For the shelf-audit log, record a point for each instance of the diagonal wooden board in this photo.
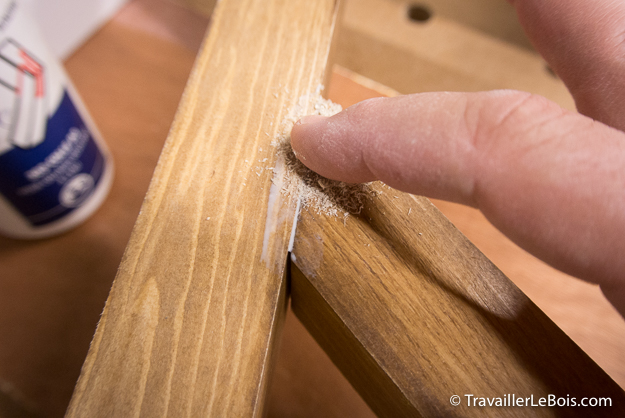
(191, 321)
(412, 313)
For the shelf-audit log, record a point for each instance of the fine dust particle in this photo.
(318, 193)
(409, 210)
(208, 219)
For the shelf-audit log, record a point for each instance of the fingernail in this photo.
(310, 119)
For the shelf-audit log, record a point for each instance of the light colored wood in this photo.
(378, 41)
(493, 17)
(192, 318)
(412, 313)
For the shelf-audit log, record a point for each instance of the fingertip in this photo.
(303, 131)
(324, 145)
(311, 119)
(303, 136)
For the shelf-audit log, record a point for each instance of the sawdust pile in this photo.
(322, 195)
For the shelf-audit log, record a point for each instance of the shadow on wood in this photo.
(412, 313)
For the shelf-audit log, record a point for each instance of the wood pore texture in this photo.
(192, 319)
(412, 313)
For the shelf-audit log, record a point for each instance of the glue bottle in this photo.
(55, 171)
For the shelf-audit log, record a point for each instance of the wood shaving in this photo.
(322, 195)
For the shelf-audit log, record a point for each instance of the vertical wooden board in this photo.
(190, 323)
(413, 313)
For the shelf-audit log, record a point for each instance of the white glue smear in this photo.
(322, 195)
(294, 227)
(277, 184)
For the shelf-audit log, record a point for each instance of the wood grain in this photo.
(192, 318)
(412, 313)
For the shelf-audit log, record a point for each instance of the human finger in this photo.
(584, 42)
(550, 179)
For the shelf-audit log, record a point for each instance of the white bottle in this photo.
(55, 171)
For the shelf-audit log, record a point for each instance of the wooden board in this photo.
(192, 318)
(378, 41)
(491, 17)
(412, 313)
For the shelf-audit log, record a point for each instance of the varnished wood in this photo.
(192, 318)
(413, 313)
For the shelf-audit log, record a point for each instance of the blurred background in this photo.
(130, 59)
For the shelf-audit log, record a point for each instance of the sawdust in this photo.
(317, 193)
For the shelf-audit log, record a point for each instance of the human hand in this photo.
(550, 179)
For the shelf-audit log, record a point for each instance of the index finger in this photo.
(549, 179)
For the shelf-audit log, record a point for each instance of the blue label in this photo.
(48, 181)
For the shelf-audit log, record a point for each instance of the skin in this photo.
(550, 179)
